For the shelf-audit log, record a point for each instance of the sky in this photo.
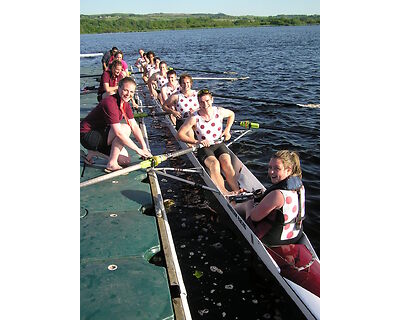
(230, 7)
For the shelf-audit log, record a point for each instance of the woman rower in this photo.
(277, 219)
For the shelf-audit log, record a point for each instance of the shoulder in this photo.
(275, 197)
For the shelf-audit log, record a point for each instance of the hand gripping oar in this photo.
(152, 162)
(254, 125)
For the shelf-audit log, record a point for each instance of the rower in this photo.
(109, 80)
(150, 57)
(106, 57)
(207, 124)
(277, 219)
(157, 80)
(120, 56)
(151, 66)
(141, 62)
(171, 87)
(182, 104)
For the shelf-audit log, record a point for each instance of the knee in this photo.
(225, 161)
(213, 165)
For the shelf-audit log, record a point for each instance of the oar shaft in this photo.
(113, 174)
(154, 161)
(206, 71)
(254, 125)
(256, 100)
(90, 75)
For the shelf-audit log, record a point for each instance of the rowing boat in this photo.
(300, 278)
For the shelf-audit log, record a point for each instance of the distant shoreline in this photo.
(116, 22)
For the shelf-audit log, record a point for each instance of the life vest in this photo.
(208, 130)
(186, 105)
(284, 225)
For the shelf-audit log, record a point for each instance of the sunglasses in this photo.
(203, 91)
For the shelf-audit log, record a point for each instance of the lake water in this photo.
(282, 64)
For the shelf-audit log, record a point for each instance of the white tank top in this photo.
(187, 105)
(209, 130)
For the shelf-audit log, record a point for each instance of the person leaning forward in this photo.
(103, 134)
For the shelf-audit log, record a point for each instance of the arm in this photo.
(151, 84)
(108, 89)
(169, 106)
(164, 95)
(137, 133)
(184, 130)
(226, 113)
(272, 201)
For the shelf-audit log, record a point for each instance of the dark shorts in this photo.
(96, 140)
(179, 123)
(214, 150)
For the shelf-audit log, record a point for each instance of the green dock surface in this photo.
(117, 241)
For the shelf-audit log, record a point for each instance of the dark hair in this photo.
(169, 72)
(114, 48)
(119, 52)
(115, 63)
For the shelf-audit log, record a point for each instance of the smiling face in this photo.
(126, 91)
(116, 71)
(186, 84)
(205, 101)
(172, 78)
(119, 57)
(276, 170)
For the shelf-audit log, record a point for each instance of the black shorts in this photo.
(214, 150)
(96, 140)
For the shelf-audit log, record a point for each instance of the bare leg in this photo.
(116, 147)
(215, 173)
(227, 168)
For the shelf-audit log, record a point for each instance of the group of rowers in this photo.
(278, 216)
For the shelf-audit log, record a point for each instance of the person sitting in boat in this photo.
(102, 134)
(109, 80)
(141, 62)
(157, 80)
(107, 56)
(170, 88)
(182, 104)
(207, 124)
(277, 219)
(151, 63)
(120, 56)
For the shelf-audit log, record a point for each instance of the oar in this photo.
(206, 71)
(152, 162)
(151, 114)
(231, 79)
(264, 100)
(255, 125)
(90, 75)
(137, 115)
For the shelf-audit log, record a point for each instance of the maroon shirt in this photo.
(105, 113)
(107, 77)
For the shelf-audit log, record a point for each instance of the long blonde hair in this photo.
(290, 159)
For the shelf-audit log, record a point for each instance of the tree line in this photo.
(110, 23)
